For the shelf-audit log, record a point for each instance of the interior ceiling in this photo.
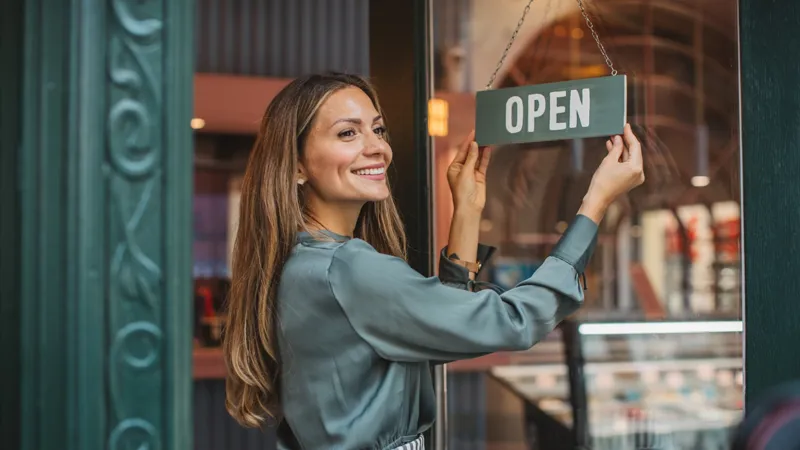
(681, 61)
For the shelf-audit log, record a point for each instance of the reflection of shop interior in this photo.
(667, 253)
(674, 241)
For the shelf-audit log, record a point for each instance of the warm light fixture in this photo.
(700, 181)
(198, 123)
(438, 112)
(627, 328)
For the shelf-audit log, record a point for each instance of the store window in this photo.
(657, 346)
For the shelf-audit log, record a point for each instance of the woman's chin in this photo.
(378, 195)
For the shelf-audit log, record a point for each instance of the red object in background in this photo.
(208, 301)
(728, 238)
(674, 240)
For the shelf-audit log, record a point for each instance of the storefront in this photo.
(117, 209)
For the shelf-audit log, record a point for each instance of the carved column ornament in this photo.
(106, 163)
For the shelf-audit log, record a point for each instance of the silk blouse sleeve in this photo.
(457, 276)
(407, 317)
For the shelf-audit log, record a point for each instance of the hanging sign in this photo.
(573, 109)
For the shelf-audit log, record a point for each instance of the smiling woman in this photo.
(329, 330)
(344, 159)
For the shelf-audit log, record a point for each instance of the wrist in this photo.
(594, 207)
(464, 212)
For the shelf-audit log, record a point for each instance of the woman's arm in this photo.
(407, 317)
(466, 176)
(464, 236)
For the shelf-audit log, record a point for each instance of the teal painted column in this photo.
(770, 83)
(104, 228)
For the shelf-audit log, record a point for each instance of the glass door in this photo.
(657, 345)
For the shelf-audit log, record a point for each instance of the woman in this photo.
(329, 330)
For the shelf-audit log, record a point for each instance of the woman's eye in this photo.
(380, 131)
(347, 133)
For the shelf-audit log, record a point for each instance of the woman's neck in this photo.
(337, 218)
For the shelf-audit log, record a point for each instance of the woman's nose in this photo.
(374, 145)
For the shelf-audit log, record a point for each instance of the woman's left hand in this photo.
(467, 176)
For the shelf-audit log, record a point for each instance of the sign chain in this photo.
(519, 25)
(508, 46)
(597, 38)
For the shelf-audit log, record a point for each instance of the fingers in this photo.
(634, 147)
(609, 146)
(615, 153)
(472, 157)
(463, 148)
(486, 155)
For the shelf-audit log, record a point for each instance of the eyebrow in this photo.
(356, 121)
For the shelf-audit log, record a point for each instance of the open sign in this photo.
(574, 109)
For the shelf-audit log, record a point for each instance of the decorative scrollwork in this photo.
(136, 348)
(144, 334)
(137, 27)
(133, 172)
(132, 155)
(136, 434)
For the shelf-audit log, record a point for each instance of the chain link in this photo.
(519, 25)
(596, 38)
(508, 46)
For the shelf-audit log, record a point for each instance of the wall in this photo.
(282, 38)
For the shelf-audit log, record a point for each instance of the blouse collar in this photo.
(305, 236)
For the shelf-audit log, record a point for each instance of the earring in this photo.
(301, 181)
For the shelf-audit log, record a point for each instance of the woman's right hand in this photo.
(621, 170)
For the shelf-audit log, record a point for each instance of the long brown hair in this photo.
(271, 214)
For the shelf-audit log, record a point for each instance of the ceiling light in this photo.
(198, 123)
(700, 181)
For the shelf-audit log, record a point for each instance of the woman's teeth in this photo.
(376, 171)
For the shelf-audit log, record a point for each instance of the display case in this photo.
(665, 385)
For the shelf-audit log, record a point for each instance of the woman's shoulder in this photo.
(362, 254)
(350, 260)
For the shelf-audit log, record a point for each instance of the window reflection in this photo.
(668, 254)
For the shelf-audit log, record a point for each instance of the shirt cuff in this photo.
(452, 273)
(577, 244)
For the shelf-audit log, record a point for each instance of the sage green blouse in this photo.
(360, 329)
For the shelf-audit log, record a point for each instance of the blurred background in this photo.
(667, 253)
(127, 127)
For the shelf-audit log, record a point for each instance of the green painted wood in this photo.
(106, 186)
(770, 108)
(572, 109)
(45, 416)
(10, 79)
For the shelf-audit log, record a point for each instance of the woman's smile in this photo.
(375, 172)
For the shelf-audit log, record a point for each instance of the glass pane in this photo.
(660, 332)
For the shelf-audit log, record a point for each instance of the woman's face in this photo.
(346, 155)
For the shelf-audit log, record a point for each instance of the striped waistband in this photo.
(416, 444)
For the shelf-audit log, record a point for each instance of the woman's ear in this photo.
(300, 177)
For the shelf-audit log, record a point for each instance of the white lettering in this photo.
(511, 104)
(579, 107)
(536, 104)
(556, 109)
